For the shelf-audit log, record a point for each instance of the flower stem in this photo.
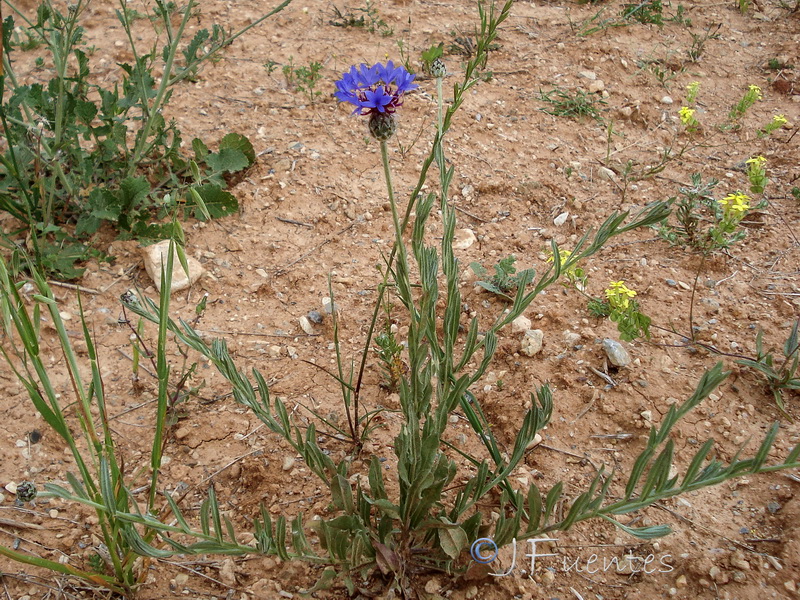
(398, 228)
(387, 173)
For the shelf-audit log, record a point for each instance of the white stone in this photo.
(532, 341)
(288, 463)
(155, 260)
(616, 352)
(590, 75)
(328, 305)
(606, 173)
(463, 239)
(520, 324)
(597, 86)
(666, 100)
(305, 325)
(561, 219)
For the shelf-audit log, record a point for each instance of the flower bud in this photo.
(438, 69)
(26, 491)
(382, 126)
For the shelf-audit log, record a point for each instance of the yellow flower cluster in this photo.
(735, 204)
(758, 162)
(756, 91)
(687, 115)
(779, 121)
(619, 295)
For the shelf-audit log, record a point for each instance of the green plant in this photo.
(619, 306)
(777, 122)
(648, 12)
(699, 41)
(757, 174)
(744, 6)
(664, 71)
(505, 280)
(101, 481)
(430, 55)
(703, 223)
(389, 526)
(750, 97)
(776, 64)
(390, 354)
(785, 377)
(304, 78)
(80, 155)
(270, 66)
(574, 105)
(366, 17)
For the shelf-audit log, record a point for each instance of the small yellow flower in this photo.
(735, 204)
(758, 162)
(756, 91)
(687, 115)
(619, 294)
(779, 121)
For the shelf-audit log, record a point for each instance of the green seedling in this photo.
(505, 280)
(781, 378)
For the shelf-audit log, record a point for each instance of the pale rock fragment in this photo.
(155, 258)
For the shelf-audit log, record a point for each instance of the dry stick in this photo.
(125, 273)
(469, 214)
(201, 574)
(19, 524)
(293, 222)
(72, 286)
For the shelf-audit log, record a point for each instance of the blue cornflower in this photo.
(375, 89)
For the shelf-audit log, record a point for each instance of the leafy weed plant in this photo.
(779, 378)
(700, 221)
(71, 163)
(505, 281)
(366, 17)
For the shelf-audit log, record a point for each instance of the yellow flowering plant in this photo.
(619, 306)
(757, 174)
(778, 121)
(687, 117)
(751, 96)
(703, 222)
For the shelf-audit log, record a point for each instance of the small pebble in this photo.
(672, 282)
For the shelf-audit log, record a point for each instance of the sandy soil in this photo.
(314, 206)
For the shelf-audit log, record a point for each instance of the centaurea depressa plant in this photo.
(376, 91)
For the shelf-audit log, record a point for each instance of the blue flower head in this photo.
(375, 89)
